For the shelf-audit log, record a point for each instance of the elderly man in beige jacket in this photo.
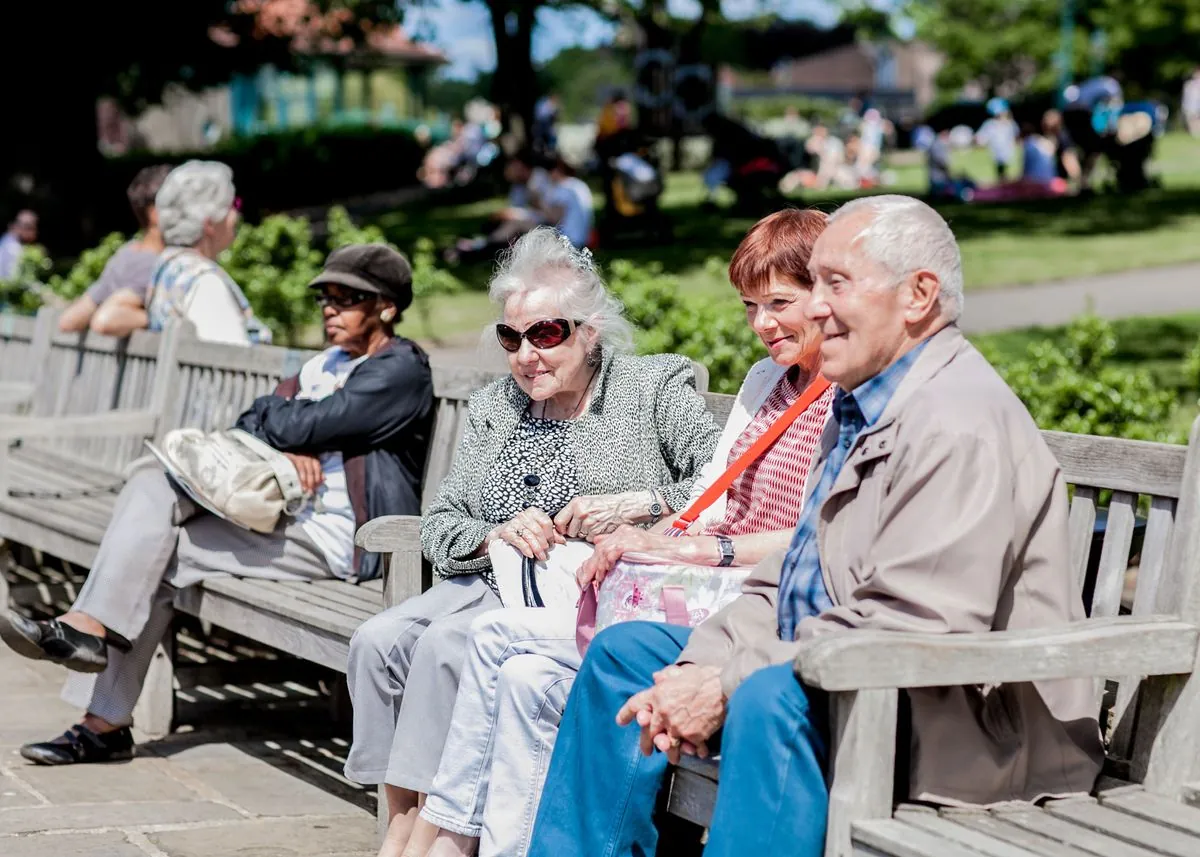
(935, 507)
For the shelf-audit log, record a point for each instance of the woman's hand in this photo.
(531, 532)
(597, 514)
(627, 539)
(308, 468)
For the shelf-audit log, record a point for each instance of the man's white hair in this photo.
(905, 235)
(193, 194)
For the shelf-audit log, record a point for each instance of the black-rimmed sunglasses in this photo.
(343, 301)
(547, 333)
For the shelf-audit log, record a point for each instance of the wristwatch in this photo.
(725, 544)
(655, 508)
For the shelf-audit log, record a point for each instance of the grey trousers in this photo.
(158, 542)
(403, 677)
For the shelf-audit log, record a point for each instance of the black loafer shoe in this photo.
(54, 641)
(81, 745)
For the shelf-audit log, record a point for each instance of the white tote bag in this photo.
(523, 582)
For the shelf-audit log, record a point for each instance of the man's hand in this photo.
(308, 468)
(680, 713)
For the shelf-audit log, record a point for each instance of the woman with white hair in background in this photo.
(198, 215)
(580, 439)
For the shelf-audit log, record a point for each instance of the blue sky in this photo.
(462, 29)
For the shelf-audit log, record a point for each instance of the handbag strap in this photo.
(674, 605)
(812, 392)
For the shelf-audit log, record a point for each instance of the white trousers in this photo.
(519, 668)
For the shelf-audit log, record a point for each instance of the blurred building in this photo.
(896, 76)
(380, 83)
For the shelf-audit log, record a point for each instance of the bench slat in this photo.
(277, 598)
(928, 820)
(1136, 466)
(897, 839)
(1061, 830)
(1093, 816)
(988, 824)
(1081, 523)
(1137, 802)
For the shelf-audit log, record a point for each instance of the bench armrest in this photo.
(14, 394)
(389, 534)
(398, 536)
(1093, 648)
(89, 425)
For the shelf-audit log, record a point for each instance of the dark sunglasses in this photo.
(345, 301)
(547, 333)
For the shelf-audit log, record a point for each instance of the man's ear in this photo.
(924, 294)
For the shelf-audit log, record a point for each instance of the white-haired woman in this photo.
(580, 439)
(198, 215)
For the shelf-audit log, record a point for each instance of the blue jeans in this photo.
(600, 792)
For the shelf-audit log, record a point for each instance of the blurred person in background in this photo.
(22, 232)
(569, 205)
(198, 215)
(1065, 158)
(1191, 103)
(999, 134)
(115, 305)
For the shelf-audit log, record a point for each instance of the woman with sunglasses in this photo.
(521, 663)
(355, 422)
(580, 439)
(198, 215)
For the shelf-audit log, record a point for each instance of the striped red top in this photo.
(769, 494)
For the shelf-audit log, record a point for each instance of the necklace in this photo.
(582, 396)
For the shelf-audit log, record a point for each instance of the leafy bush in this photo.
(87, 268)
(1074, 386)
(711, 331)
(25, 290)
(273, 262)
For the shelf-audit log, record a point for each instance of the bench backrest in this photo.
(1150, 495)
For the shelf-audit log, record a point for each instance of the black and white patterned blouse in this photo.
(535, 468)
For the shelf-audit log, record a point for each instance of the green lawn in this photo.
(1002, 244)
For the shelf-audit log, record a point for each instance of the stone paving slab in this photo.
(93, 816)
(70, 845)
(257, 784)
(308, 837)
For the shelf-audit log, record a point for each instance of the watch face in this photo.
(656, 509)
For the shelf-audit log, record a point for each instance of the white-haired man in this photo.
(935, 507)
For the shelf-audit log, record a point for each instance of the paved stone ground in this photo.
(256, 781)
(1151, 291)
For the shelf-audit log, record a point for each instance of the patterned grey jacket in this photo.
(646, 427)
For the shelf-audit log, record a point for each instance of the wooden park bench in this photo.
(57, 488)
(1151, 704)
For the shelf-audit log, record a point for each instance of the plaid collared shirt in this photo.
(802, 590)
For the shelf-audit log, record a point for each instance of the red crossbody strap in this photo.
(811, 393)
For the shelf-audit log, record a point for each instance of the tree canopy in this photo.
(1151, 45)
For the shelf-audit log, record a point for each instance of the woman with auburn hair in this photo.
(521, 661)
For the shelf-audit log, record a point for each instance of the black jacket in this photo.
(380, 420)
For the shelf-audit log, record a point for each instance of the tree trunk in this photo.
(514, 85)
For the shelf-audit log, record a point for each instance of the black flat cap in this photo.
(374, 268)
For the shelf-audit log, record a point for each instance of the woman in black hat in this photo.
(355, 422)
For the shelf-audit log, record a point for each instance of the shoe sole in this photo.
(27, 648)
(18, 642)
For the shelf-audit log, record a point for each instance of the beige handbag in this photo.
(234, 475)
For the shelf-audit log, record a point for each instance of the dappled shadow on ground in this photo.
(1072, 216)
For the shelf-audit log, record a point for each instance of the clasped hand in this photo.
(680, 713)
(534, 533)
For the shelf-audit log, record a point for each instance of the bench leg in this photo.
(154, 714)
(381, 814)
(5, 561)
